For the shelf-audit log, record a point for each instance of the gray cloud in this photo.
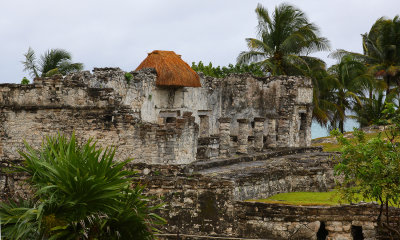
(121, 33)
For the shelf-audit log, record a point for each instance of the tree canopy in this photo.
(371, 168)
(284, 41)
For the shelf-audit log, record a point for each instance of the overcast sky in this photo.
(120, 33)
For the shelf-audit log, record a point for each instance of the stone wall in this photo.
(277, 221)
(49, 106)
(286, 100)
(149, 123)
(203, 205)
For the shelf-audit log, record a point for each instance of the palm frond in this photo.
(250, 56)
(80, 190)
(30, 64)
(286, 31)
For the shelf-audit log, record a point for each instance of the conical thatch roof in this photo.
(171, 69)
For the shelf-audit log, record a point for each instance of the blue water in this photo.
(318, 131)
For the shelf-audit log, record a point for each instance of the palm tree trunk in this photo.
(387, 80)
(341, 126)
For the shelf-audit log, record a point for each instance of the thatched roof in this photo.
(171, 69)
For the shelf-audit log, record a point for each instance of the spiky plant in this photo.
(80, 193)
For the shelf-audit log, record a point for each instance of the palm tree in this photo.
(323, 95)
(54, 61)
(381, 46)
(284, 42)
(350, 77)
(79, 193)
(370, 111)
(382, 50)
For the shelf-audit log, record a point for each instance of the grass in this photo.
(303, 198)
(331, 198)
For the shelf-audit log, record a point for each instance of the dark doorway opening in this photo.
(108, 118)
(303, 121)
(170, 119)
(322, 232)
(356, 232)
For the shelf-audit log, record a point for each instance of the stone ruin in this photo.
(156, 125)
(203, 149)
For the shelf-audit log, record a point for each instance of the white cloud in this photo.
(121, 33)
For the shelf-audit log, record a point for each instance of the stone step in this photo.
(202, 165)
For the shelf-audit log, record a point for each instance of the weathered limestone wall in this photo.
(145, 121)
(49, 106)
(308, 172)
(277, 221)
(206, 205)
(281, 98)
(244, 97)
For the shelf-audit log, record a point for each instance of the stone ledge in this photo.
(251, 157)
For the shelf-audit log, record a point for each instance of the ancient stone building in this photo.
(154, 122)
(204, 144)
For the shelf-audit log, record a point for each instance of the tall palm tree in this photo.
(54, 61)
(350, 77)
(284, 41)
(382, 50)
(323, 95)
(381, 46)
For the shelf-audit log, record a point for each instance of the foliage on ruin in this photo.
(221, 72)
(25, 81)
(52, 62)
(80, 192)
(128, 77)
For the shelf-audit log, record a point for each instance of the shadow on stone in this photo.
(357, 233)
(322, 232)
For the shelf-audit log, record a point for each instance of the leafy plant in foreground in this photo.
(79, 193)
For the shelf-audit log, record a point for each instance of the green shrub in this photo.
(219, 72)
(128, 77)
(25, 81)
(80, 192)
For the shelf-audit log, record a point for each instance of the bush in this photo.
(219, 72)
(128, 77)
(79, 193)
(371, 168)
(25, 81)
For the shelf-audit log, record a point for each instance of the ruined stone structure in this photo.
(214, 198)
(204, 149)
(159, 125)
